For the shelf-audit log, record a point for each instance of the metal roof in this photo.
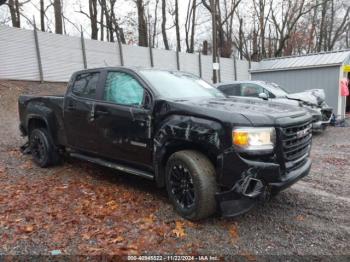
(325, 59)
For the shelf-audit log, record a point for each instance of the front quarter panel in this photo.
(180, 131)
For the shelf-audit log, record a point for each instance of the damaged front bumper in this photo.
(321, 118)
(256, 184)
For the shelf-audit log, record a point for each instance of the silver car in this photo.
(311, 100)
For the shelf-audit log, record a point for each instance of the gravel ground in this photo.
(80, 208)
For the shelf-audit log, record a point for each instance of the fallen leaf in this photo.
(234, 233)
(28, 229)
(249, 257)
(15, 153)
(27, 165)
(112, 205)
(149, 220)
(179, 230)
(299, 218)
(117, 240)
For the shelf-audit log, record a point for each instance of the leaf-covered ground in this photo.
(83, 209)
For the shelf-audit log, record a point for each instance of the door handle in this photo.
(101, 112)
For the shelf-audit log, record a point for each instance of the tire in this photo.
(42, 148)
(190, 173)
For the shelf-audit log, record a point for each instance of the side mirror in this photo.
(264, 96)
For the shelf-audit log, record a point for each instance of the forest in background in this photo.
(248, 29)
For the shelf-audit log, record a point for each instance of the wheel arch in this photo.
(183, 132)
(38, 121)
(34, 122)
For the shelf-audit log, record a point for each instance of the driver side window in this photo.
(123, 89)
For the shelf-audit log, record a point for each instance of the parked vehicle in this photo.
(211, 153)
(312, 100)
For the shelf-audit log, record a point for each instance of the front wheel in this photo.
(191, 184)
(42, 148)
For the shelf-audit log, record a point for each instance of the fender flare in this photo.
(179, 132)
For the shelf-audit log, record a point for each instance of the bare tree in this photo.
(177, 27)
(336, 25)
(57, 5)
(142, 24)
(155, 24)
(190, 25)
(102, 15)
(112, 24)
(14, 7)
(347, 36)
(223, 24)
(164, 35)
(42, 15)
(322, 30)
(262, 16)
(93, 18)
(291, 12)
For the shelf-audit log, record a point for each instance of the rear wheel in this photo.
(42, 148)
(191, 184)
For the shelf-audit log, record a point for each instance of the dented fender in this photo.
(179, 131)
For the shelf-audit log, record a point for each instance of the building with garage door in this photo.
(313, 71)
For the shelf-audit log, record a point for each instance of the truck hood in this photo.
(313, 96)
(240, 110)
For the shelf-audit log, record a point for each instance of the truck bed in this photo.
(33, 107)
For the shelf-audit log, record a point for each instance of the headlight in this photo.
(254, 139)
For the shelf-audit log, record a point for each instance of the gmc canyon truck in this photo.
(210, 152)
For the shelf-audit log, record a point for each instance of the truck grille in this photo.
(296, 143)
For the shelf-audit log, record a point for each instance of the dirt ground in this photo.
(83, 209)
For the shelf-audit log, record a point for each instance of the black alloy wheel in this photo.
(181, 185)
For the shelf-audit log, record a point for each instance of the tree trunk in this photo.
(241, 36)
(155, 24)
(205, 47)
(15, 14)
(42, 15)
(111, 26)
(347, 39)
(194, 6)
(214, 31)
(177, 26)
(164, 35)
(58, 16)
(190, 25)
(102, 20)
(93, 18)
(322, 25)
(142, 24)
(262, 27)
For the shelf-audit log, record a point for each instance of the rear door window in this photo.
(85, 85)
(233, 90)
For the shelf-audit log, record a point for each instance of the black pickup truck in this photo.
(211, 153)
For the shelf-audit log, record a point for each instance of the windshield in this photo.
(277, 90)
(179, 85)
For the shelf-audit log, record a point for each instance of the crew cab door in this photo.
(123, 119)
(78, 105)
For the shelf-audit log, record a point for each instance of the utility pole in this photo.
(214, 51)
